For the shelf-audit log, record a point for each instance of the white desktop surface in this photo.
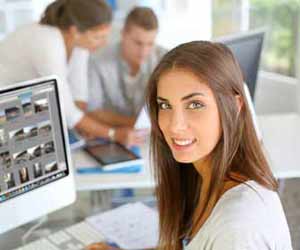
(85, 182)
(281, 138)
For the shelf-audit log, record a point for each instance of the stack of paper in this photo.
(131, 226)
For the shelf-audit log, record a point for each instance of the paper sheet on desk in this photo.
(131, 226)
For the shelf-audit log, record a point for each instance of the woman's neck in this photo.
(69, 43)
(207, 203)
(203, 167)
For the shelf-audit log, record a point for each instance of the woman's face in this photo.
(188, 115)
(94, 38)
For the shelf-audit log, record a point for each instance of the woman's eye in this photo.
(163, 106)
(195, 105)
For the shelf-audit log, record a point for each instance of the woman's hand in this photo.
(101, 246)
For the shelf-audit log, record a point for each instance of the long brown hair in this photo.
(238, 151)
(84, 14)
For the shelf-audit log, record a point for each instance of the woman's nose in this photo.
(178, 122)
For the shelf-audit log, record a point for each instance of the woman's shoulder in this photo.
(251, 211)
(36, 30)
(247, 192)
(34, 42)
(249, 201)
(34, 33)
(247, 216)
(46, 33)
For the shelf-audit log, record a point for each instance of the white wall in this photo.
(185, 21)
(16, 13)
(276, 94)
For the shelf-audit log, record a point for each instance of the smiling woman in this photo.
(215, 188)
(188, 115)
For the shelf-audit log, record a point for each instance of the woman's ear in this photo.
(239, 102)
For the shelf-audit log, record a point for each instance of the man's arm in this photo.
(111, 118)
(107, 117)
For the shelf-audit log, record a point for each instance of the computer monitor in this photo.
(35, 166)
(247, 49)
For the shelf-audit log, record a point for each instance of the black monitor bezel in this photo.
(240, 37)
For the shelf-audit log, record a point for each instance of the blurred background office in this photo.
(277, 90)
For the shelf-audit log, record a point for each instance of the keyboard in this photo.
(75, 237)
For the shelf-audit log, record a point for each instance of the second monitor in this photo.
(247, 48)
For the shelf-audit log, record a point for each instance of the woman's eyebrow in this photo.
(161, 99)
(191, 95)
(183, 98)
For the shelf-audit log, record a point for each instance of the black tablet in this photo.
(112, 155)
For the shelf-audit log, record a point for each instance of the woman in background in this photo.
(215, 189)
(48, 47)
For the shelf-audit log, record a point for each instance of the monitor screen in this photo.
(247, 50)
(32, 151)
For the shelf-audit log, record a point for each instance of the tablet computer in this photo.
(112, 155)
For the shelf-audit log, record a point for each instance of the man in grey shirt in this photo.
(118, 74)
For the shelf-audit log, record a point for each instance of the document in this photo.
(131, 226)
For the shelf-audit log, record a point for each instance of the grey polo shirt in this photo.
(110, 85)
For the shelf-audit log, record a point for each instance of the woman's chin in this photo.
(184, 159)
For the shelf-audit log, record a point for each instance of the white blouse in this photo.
(34, 51)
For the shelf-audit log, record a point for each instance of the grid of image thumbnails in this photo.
(36, 163)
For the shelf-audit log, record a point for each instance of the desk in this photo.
(281, 138)
(93, 182)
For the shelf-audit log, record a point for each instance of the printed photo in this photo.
(51, 167)
(21, 157)
(5, 159)
(37, 170)
(2, 117)
(26, 103)
(34, 152)
(9, 180)
(12, 113)
(48, 147)
(41, 105)
(3, 140)
(30, 131)
(45, 128)
(24, 176)
(17, 135)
